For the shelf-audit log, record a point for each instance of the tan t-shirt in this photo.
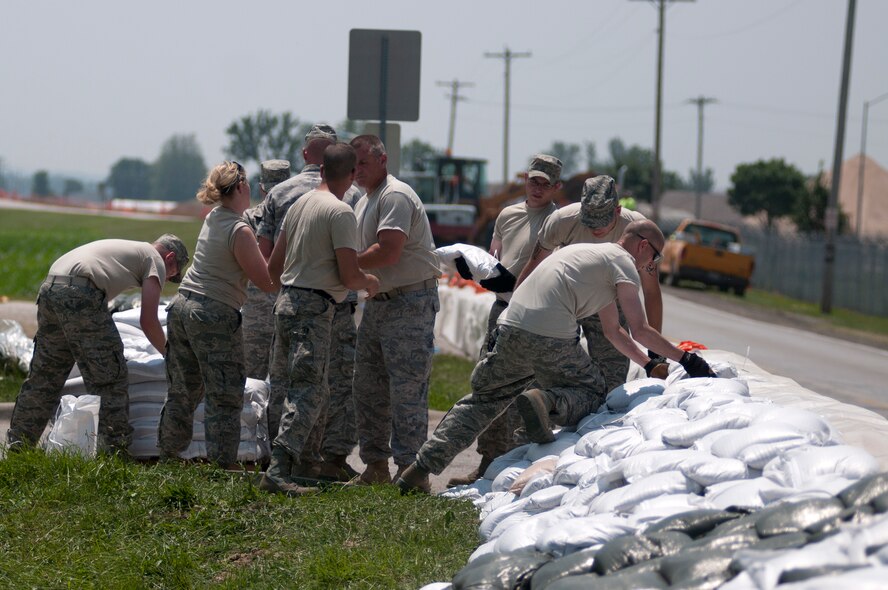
(394, 205)
(517, 227)
(215, 272)
(564, 227)
(317, 225)
(112, 265)
(575, 282)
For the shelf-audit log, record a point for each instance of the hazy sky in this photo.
(85, 83)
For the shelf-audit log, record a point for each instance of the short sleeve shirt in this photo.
(564, 227)
(395, 206)
(575, 282)
(279, 200)
(215, 272)
(516, 228)
(112, 265)
(316, 226)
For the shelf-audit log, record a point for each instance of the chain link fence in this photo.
(793, 266)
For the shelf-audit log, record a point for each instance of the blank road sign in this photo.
(367, 72)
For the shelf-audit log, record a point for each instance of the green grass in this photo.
(66, 522)
(30, 241)
(450, 380)
(11, 378)
(840, 318)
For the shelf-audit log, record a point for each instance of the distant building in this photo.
(873, 214)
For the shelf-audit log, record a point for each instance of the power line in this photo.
(507, 56)
(455, 97)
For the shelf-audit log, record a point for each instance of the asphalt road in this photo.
(847, 371)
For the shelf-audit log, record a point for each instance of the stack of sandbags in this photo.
(654, 451)
(148, 390)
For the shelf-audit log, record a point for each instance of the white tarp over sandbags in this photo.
(148, 390)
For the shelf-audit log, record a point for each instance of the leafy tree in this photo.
(703, 183)
(265, 136)
(2, 176)
(130, 178)
(772, 187)
(179, 170)
(592, 163)
(40, 184)
(72, 186)
(417, 154)
(809, 213)
(638, 162)
(568, 153)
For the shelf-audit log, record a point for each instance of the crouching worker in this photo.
(537, 361)
(315, 259)
(74, 325)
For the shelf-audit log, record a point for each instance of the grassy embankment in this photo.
(66, 522)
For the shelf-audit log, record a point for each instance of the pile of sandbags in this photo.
(148, 390)
(650, 485)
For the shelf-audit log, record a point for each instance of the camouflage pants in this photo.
(393, 362)
(498, 438)
(303, 328)
(258, 314)
(339, 433)
(613, 364)
(559, 366)
(74, 325)
(204, 361)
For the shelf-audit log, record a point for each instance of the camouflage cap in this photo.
(320, 131)
(174, 244)
(599, 201)
(548, 167)
(272, 172)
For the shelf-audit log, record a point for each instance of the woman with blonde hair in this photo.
(205, 353)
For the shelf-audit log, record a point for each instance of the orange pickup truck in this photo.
(709, 253)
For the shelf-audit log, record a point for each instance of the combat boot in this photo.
(336, 468)
(472, 476)
(534, 406)
(414, 480)
(376, 472)
(277, 477)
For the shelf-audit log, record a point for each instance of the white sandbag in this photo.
(132, 316)
(489, 523)
(707, 470)
(685, 389)
(495, 501)
(504, 480)
(76, 425)
(826, 486)
(653, 424)
(803, 421)
(154, 392)
(438, 586)
(513, 457)
(743, 493)
(581, 533)
(578, 498)
(645, 464)
(656, 509)
(508, 522)
(757, 456)
(624, 499)
(546, 498)
(563, 440)
(525, 534)
(614, 441)
(797, 466)
(483, 549)
(703, 405)
(628, 395)
(481, 264)
(729, 417)
(597, 421)
(544, 466)
(571, 473)
(733, 442)
(541, 482)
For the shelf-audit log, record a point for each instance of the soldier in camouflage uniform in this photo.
(396, 336)
(205, 355)
(514, 236)
(315, 259)
(537, 361)
(597, 219)
(258, 309)
(74, 325)
(330, 445)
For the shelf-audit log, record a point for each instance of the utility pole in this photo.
(860, 169)
(831, 220)
(701, 101)
(455, 96)
(507, 56)
(657, 165)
